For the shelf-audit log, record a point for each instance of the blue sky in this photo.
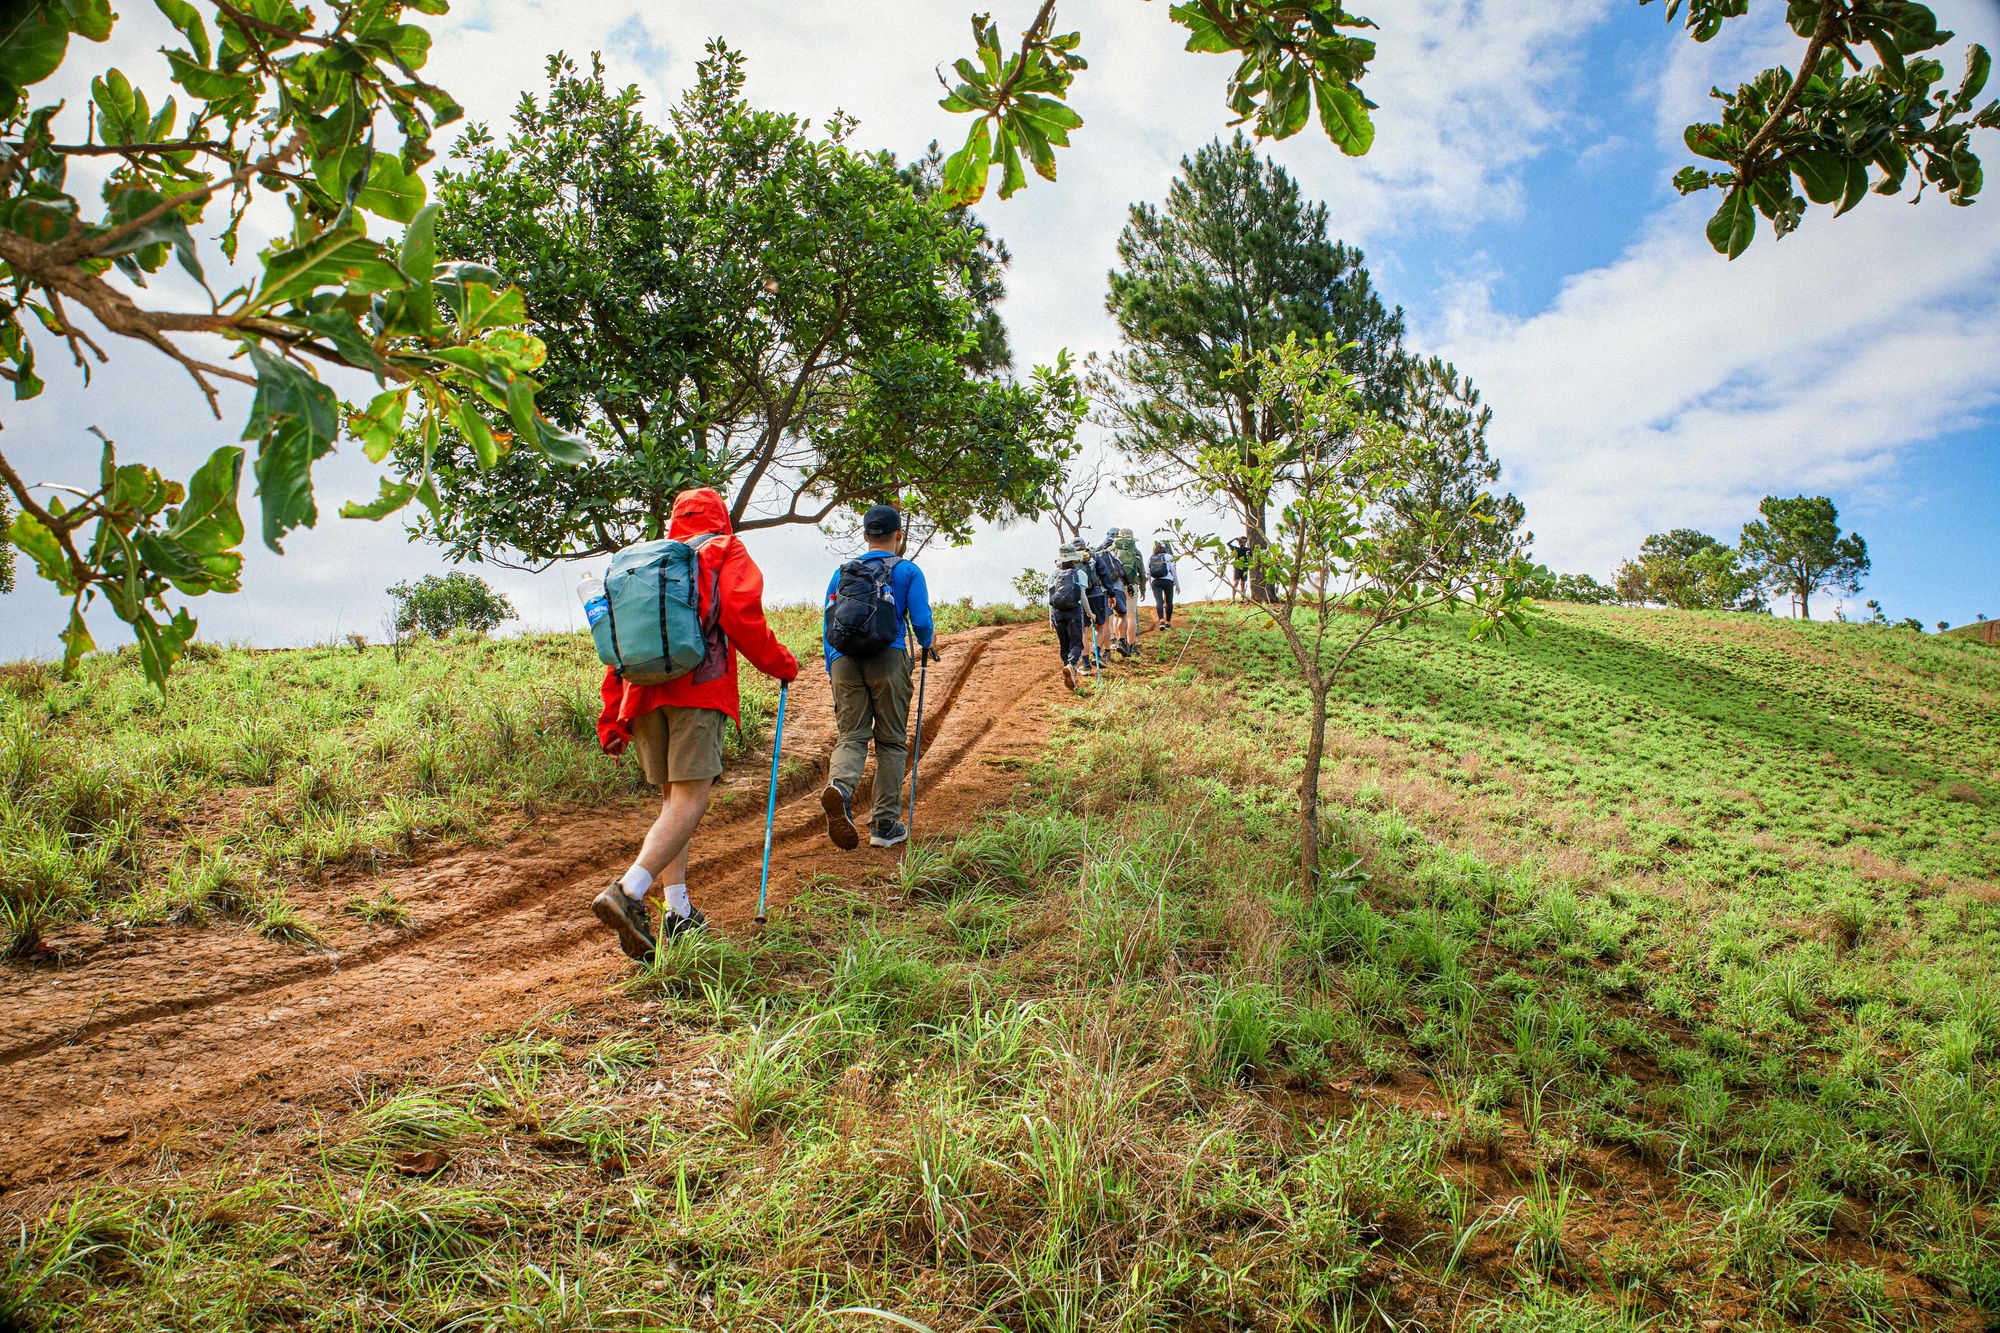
(1516, 204)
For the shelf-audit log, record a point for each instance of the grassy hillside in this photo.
(1658, 995)
(125, 807)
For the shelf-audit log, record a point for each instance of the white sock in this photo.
(677, 898)
(635, 883)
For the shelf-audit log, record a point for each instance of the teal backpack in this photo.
(652, 630)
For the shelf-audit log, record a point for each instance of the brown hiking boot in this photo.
(626, 915)
(839, 818)
(1069, 677)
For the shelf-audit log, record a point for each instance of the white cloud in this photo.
(1673, 389)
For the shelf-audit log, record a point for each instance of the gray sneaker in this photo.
(626, 915)
(839, 818)
(887, 833)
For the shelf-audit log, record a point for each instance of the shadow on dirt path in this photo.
(207, 1032)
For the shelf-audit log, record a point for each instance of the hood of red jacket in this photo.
(696, 512)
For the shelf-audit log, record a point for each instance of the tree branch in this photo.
(1830, 14)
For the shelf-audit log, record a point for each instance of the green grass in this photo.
(1099, 1064)
(258, 769)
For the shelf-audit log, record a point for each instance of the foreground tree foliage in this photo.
(1346, 563)
(731, 301)
(1838, 127)
(1235, 264)
(321, 111)
(1785, 138)
(1797, 548)
(1689, 571)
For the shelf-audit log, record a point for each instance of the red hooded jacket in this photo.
(741, 586)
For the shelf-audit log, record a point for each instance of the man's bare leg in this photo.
(664, 853)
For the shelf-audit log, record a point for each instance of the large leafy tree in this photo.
(1688, 570)
(1447, 491)
(324, 114)
(1797, 548)
(1236, 263)
(733, 300)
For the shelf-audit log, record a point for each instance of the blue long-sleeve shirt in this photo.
(913, 602)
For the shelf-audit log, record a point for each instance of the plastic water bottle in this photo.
(595, 604)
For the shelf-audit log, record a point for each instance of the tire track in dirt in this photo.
(244, 1032)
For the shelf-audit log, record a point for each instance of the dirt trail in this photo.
(205, 1031)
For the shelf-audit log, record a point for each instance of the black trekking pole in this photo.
(917, 747)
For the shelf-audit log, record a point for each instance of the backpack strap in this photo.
(715, 584)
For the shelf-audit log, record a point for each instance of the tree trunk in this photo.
(1309, 792)
(1253, 528)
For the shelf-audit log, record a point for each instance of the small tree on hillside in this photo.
(1688, 570)
(1340, 563)
(437, 604)
(1797, 549)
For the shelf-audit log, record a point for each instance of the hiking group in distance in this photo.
(1094, 599)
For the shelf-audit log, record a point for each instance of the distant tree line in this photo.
(1794, 549)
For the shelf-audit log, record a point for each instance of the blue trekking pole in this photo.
(771, 806)
(917, 748)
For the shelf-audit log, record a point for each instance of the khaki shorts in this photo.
(679, 744)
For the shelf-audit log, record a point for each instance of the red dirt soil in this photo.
(198, 1033)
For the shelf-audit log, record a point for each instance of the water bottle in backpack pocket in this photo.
(650, 629)
(861, 619)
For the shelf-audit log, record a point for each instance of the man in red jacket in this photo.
(677, 727)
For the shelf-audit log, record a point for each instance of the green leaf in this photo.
(287, 394)
(379, 424)
(418, 258)
(965, 171)
(76, 640)
(1344, 118)
(394, 495)
(207, 521)
(34, 540)
(472, 422)
(478, 297)
(1824, 175)
(1856, 188)
(33, 50)
(559, 445)
(284, 481)
(185, 17)
(1978, 65)
(1204, 35)
(391, 193)
(161, 645)
(1734, 225)
(338, 258)
(89, 19)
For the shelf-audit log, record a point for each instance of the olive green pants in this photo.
(871, 701)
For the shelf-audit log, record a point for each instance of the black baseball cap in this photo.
(881, 520)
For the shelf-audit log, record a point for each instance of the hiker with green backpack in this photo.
(1132, 566)
(668, 619)
(874, 603)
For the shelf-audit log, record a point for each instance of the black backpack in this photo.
(1157, 566)
(861, 619)
(1110, 569)
(1063, 594)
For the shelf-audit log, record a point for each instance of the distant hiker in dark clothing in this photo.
(1165, 577)
(1069, 599)
(1239, 559)
(1133, 568)
(676, 727)
(872, 603)
(1110, 571)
